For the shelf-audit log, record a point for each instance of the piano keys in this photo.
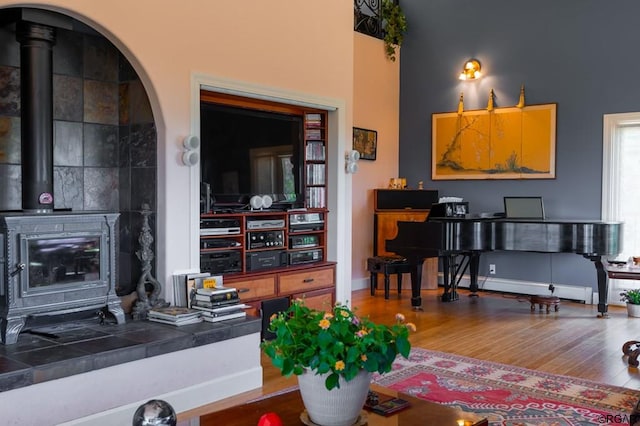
(447, 237)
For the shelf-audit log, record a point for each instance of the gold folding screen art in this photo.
(495, 143)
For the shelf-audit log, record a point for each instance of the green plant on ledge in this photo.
(631, 296)
(337, 342)
(394, 27)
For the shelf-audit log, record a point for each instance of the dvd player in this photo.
(219, 231)
(265, 223)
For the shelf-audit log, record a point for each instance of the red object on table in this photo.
(270, 419)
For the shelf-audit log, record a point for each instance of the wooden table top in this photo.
(288, 406)
(623, 272)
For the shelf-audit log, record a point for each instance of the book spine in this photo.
(221, 297)
(226, 317)
(202, 305)
(212, 314)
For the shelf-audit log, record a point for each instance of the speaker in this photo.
(400, 199)
(255, 202)
(259, 202)
(190, 156)
(268, 308)
(351, 158)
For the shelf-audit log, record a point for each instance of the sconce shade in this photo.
(472, 70)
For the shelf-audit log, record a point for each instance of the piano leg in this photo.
(416, 280)
(449, 272)
(603, 286)
(474, 266)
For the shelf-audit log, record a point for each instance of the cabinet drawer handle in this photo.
(308, 280)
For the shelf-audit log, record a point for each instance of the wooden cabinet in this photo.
(269, 254)
(307, 280)
(315, 283)
(274, 253)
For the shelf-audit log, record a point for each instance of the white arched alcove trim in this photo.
(339, 200)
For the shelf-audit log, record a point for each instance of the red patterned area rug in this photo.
(507, 395)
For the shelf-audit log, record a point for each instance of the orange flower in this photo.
(411, 326)
(339, 366)
(344, 314)
(363, 357)
(324, 323)
(362, 332)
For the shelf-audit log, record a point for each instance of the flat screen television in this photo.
(246, 152)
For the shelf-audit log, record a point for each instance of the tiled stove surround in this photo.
(104, 136)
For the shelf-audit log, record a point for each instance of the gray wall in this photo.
(582, 54)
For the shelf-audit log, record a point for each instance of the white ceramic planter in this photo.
(633, 310)
(335, 407)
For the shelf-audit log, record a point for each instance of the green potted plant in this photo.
(632, 297)
(394, 24)
(330, 351)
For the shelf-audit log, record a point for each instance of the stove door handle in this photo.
(19, 267)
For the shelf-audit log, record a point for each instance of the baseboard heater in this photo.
(563, 291)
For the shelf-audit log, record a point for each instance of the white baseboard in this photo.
(360, 284)
(563, 291)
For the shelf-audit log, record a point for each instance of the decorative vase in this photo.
(336, 407)
(633, 310)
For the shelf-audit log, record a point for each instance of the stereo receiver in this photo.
(306, 222)
(265, 223)
(220, 262)
(304, 241)
(305, 256)
(265, 239)
(266, 260)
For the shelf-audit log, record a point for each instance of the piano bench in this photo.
(548, 301)
(387, 265)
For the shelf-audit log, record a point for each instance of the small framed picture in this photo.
(365, 142)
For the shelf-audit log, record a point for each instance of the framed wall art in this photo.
(502, 143)
(365, 142)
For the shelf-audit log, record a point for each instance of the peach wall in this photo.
(376, 94)
(284, 47)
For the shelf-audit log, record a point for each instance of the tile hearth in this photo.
(48, 353)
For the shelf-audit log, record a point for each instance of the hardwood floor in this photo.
(500, 328)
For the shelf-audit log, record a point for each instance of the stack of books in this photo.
(175, 315)
(218, 304)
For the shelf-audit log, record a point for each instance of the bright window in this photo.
(620, 180)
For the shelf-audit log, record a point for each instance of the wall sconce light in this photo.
(190, 156)
(471, 70)
(351, 157)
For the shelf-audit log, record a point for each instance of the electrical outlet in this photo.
(492, 269)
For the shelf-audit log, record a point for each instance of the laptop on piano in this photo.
(524, 208)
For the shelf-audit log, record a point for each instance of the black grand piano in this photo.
(448, 237)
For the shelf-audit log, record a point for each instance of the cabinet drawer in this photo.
(254, 288)
(306, 280)
(321, 300)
